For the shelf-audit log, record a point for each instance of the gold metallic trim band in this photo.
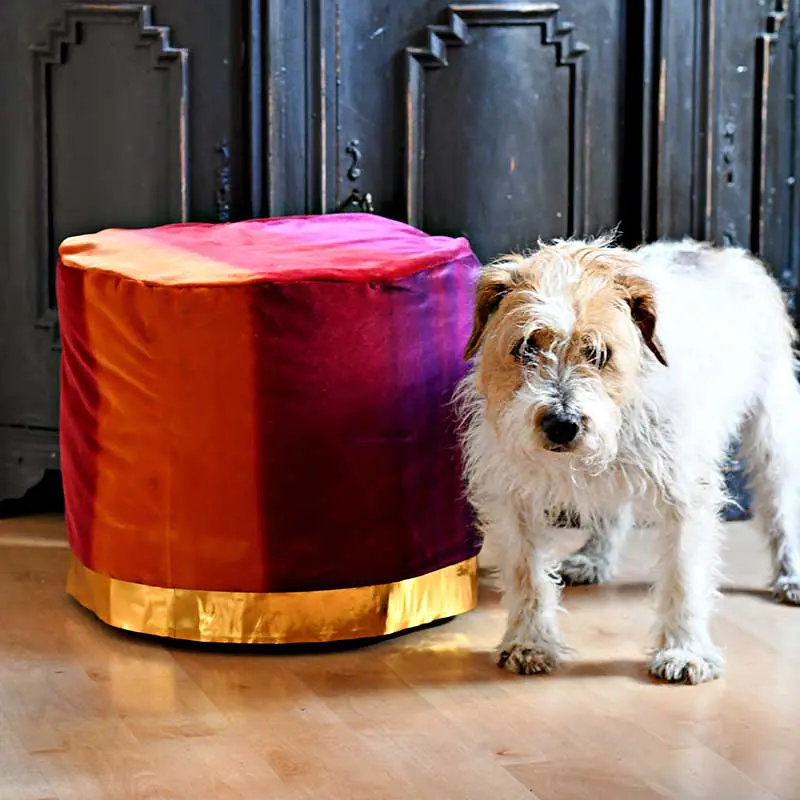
(276, 617)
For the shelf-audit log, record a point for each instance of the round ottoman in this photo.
(257, 438)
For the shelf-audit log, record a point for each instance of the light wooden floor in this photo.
(88, 713)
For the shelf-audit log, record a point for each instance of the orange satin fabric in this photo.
(148, 489)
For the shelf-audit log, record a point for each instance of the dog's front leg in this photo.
(596, 561)
(532, 642)
(686, 590)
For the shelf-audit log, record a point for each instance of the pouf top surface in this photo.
(340, 247)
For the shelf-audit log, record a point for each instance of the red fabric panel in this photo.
(79, 414)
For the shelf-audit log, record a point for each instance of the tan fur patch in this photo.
(603, 299)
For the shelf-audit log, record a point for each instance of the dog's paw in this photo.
(582, 570)
(529, 658)
(786, 589)
(681, 665)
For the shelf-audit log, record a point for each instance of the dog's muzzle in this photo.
(560, 429)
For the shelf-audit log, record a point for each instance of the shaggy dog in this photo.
(613, 381)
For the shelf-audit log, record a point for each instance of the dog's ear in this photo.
(493, 284)
(640, 298)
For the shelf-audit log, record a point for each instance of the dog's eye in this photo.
(525, 350)
(597, 356)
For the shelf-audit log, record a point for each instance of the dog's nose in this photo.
(560, 429)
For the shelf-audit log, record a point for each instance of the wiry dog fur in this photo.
(655, 359)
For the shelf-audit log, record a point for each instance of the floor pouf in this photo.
(257, 438)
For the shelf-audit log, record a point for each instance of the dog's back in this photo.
(714, 283)
(723, 323)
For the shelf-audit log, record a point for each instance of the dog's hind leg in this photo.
(771, 450)
(596, 561)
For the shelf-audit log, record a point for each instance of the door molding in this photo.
(454, 32)
(61, 37)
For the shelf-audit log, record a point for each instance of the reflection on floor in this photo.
(88, 713)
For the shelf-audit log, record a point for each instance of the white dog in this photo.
(612, 382)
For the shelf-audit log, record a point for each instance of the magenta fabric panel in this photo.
(360, 463)
(344, 247)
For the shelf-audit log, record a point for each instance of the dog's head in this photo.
(561, 336)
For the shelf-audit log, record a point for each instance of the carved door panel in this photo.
(752, 179)
(725, 140)
(114, 114)
(741, 131)
(498, 120)
(775, 223)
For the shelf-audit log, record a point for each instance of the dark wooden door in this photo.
(724, 167)
(500, 121)
(114, 114)
(503, 121)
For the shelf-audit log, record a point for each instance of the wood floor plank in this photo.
(21, 777)
(89, 713)
(218, 768)
(579, 778)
